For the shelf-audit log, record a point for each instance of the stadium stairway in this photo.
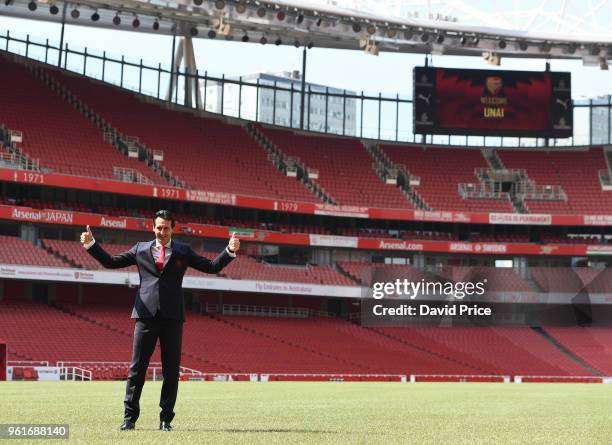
(508, 350)
(576, 172)
(466, 179)
(495, 163)
(493, 159)
(607, 173)
(251, 352)
(345, 273)
(386, 167)
(345, 168)
(441, 171)
(351, 344)
(553, 341)
(60, 255)
(197, 150)
(282, 162)
(590, 343)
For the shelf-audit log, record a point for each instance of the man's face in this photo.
(163, 230)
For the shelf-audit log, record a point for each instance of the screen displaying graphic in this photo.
(492, 102)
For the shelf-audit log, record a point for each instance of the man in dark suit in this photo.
(159, 308)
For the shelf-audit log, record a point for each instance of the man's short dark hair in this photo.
(165, 214)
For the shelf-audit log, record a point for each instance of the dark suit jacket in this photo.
(165, 286)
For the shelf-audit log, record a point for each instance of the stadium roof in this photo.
(522, 28)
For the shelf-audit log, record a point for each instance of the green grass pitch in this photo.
(331, 413)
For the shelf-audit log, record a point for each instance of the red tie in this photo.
(160, 261)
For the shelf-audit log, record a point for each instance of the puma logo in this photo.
(564, 103)
(425, 98)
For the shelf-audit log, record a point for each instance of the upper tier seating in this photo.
(345, 169)
(17, 251)
(441, 170)
(55, 133)
(96, 332)
(206, 154)
(591, 344)
(577, 172)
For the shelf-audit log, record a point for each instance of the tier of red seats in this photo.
(118, 318)
(352, 348)
(516, 350)
(73, 251)
(547, 238)
(247, 268)
(345, 169)
(577, 172)
(206, 154)
(572, 280)
(314, 345)
(56, 134)
(499, 205)
(40, 332)
(441, 170)
(242, 344)
(428, 235)
(591, 344)
(212, 155)
(368, 273)
(228, 347)
(17, 251)
(495, 279)
(242, 268)
(63, 253)
(498, 238)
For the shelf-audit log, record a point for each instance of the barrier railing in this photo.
(403, 378)
(74, 373)
(69, 372)
(154, 370)
(27, 363)
(262, 311)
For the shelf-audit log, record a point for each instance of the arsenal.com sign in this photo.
(400, 245)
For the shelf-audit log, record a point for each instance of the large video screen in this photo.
(492, 102)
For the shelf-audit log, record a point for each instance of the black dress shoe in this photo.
(165, 426)
(127, 425)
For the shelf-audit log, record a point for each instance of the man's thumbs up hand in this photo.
(234, 243)
(86, 237)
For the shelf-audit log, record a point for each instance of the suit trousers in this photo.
(146, 333)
